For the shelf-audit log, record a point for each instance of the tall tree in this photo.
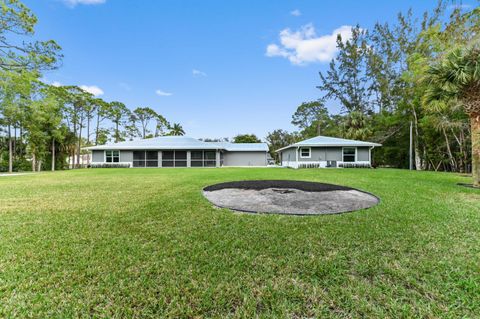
(280, 138)
(161, 126)
(17, 22)
(456, 76)
(53, 121)
(310, 114)
(246, 138)
(346, 78)
(102, 111)
(15, 90)
(176, 130)
(119, 114)
(143, 115)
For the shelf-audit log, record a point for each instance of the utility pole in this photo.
(410, 158)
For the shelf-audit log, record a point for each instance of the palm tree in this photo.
(176, 130)
(456, 77)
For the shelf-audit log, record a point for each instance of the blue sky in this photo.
(219, 68)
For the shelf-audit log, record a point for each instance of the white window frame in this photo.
(105, 156)
(309, 152)
(343, 154)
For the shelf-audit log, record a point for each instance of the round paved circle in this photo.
(288, 197)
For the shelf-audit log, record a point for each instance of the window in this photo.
(151, 159)
(180, 158)
(349, 154)
(112, 156)
(209, 159)
(145, 159)
(139, 159)
(174, 158)
(305, 152)
(203, 159)
(167, 158)
(196, 159)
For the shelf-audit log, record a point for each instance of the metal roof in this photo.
(329, 141)
(179, 143)
(243, 147)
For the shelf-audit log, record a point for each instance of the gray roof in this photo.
(179, 143)
(244, 147)
(329, 141)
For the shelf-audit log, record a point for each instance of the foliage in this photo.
(109, 165)
(452, 80)
(17, 21)
(176, 130)
(378, 80)
(278, 139)
(246, 138)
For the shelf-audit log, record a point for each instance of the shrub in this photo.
(110, 165)
(309, 165)
(355, 165)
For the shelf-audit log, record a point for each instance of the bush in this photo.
(355, 165)
(309, 165)
(110, 165)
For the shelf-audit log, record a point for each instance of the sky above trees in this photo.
(218, 67)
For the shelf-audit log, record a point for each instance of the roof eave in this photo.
(365, 144)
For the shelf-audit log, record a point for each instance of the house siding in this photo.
(126, 156)
(98, 156)
(334, 154)
(363, 154)
(288, 156)
(245, 159)
(321, 155)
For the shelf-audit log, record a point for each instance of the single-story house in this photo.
(324, 151)
(180, 151)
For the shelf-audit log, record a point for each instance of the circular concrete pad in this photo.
(288, 197)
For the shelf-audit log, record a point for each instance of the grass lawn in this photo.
(145, 243)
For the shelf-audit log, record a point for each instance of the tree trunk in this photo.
(88, 128)
(34, 162)
(53, 155)
(75, 135)
(475, 124)
(451, 158)
(418, 160)
(98, 127)
(116, 131)
(14, 142)
(79, 141)
(10, 151)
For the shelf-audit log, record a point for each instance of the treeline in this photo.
(41, 125)
(379, 78)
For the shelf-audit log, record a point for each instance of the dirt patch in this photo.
(288, 197)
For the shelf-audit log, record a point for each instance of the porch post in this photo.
(217, 158)
(296, 156)
(189, 159)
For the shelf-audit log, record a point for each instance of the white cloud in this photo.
(73, 3)
(198, 73)
(296, 13)
(304, 46)
(162, 93)
(56, 83)
(92, 89)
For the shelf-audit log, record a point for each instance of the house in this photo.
(180, 151)
(324, 151)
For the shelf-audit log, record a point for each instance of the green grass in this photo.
(145, 243)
